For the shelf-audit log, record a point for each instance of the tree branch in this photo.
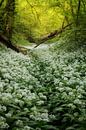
(52, 35)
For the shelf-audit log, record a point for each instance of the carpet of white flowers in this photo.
(43, 90)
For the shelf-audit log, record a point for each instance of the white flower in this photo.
(27, 128)
(40, 102)
(19, 123)
(8, 115)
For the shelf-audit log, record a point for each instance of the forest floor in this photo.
(41, 88)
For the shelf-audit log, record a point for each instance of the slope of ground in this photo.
(43, 90)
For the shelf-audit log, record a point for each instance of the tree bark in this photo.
(4, 40)
(9, 18)
(8, 21)
(52, 34)
(7, 43)
(78, 11)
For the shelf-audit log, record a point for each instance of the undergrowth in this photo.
(44, 90)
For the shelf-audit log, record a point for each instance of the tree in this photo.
(8, 22)
(9, 18)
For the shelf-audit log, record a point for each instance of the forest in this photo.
(42, 64)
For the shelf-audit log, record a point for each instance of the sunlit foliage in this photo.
(36, 18)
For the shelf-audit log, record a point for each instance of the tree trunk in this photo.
(52, 34)
(9, 19)
(4, 40)
(78, 12)
(7, 43)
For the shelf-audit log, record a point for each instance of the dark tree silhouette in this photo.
(8, 22)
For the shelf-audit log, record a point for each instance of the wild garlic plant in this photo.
(43, 91)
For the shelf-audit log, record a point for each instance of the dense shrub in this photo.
(42, 91)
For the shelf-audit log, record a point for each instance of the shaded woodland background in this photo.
(36, 21)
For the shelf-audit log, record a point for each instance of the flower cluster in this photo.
(42, 90)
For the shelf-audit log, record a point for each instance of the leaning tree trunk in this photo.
(52, 35)
(7, 25)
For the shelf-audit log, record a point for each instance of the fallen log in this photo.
(52, 35)
(4, 40)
